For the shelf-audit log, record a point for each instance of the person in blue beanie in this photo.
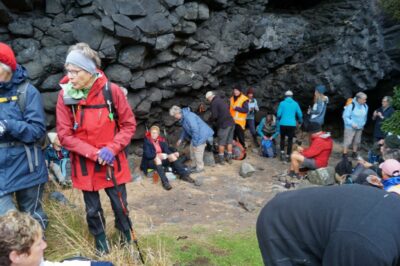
(289, 113)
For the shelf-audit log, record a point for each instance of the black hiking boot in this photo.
(163, 177)
(221, 159)
(255, 140)
(229, 158)
(282, 156)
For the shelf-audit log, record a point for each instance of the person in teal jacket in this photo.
(289, 113)
(354, 117)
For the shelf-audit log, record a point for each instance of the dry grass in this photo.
(68, 236)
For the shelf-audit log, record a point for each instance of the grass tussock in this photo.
(68, 237)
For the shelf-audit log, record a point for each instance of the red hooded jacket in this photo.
(95, 131)
(320, 149)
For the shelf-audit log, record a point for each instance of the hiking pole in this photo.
(111, 176)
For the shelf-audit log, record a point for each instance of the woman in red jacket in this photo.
(95, 123)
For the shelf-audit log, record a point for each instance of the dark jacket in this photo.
(194, 128)
(388, 112)
(54, 156)
(149, 151)
(23, 128)
(338, 225)
(220, 113)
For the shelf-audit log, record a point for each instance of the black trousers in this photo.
(94, 211)
(289, 132)
(238, 135)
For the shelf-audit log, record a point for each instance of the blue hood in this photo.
(19, 76)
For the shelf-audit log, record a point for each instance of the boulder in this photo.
(50, 101)
(322, 176)
(51, 82)
(130, 8)
(132, 56)
(174, 3)
(246, 170)
(86, 31)
(119, 74)
(157, 24)
(164, 41)
(21, 27)
(54, 6)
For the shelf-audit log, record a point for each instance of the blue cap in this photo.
(320, 88)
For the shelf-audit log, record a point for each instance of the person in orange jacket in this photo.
(239, 107)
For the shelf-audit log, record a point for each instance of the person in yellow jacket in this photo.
(239, 107)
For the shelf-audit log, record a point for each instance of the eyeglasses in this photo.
(72, 73)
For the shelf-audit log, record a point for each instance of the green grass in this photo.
(68, 236)
(211, 249)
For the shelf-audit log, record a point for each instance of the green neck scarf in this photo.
(78, 94)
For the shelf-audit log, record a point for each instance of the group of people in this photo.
(95, 124)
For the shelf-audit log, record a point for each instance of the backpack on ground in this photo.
(238, 152)
(267, 148)
(344, 167)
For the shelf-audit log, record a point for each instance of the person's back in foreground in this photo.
(341, 225)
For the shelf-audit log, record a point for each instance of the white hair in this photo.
(5, 67)
(175, 110)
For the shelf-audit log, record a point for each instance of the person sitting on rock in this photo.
(314, 157)
(22, 243)
(58, 162)
(195, 129)
(157, 155)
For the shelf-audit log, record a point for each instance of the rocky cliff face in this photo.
(172, 51)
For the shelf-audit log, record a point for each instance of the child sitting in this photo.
(57, 159)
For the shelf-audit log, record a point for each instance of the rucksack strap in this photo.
(107, 93)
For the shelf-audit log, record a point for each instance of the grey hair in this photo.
(6, 67)
(85, 49)
(175, 110)
(361, 95)
(388, 99)
(391, 154)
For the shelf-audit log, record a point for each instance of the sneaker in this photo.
(187, 178)
(196, 171)
(288, 158)
(354, 155)
(294, 175)
(166, 185)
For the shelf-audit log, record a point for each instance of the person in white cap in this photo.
(289, 113)
(223, 120)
